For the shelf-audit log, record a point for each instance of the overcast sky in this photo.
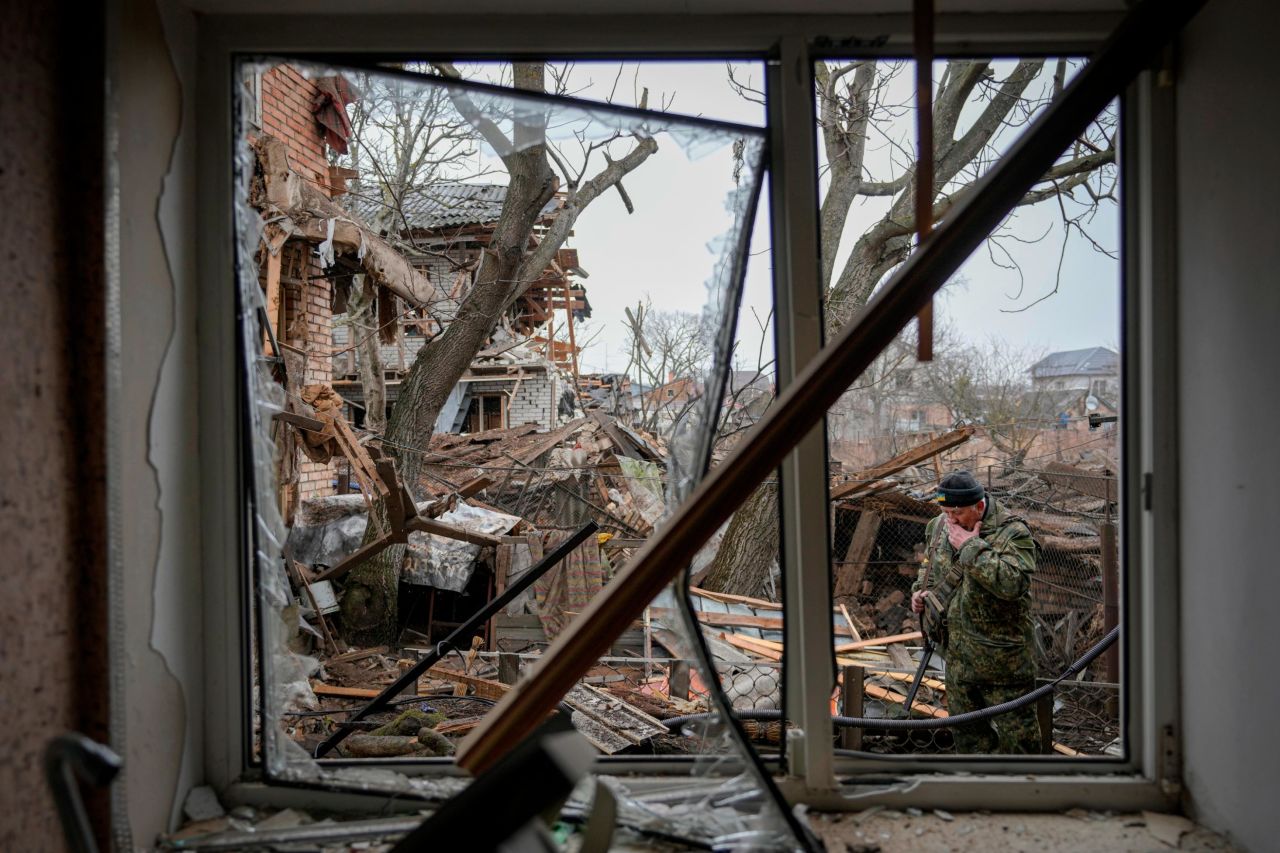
(660, 252)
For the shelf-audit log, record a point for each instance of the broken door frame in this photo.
(1149, 774)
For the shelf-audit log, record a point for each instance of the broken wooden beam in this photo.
(850, 572)
(879, 641)
(451, 531)
(485, 688)
(310, 213)
(914, 456)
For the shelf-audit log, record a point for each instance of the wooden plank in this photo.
(1080, 480)
(772, 650)
(617, 436)
(898, 698)
(358, 654)
(273, 297)
(301, 421)
(879, 641)
(906, 459)
(363, 553)
(481, 483)
(458, 727)
(322, 689)
(853, 629)
(485, 688)
(751, 644)
(737, 599)
(907, 678)
(850, 572)
(451, 531)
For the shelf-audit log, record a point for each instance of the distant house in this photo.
(1095, 370)
(665, 403)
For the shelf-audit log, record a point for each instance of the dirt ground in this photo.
(891, 831)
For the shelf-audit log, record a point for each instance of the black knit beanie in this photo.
(959, 489)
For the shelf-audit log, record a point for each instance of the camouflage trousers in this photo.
(1013, 733)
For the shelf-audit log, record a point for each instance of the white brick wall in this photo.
(534, 401)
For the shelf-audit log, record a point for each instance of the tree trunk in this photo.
(369, 607)
(362, 313)
(749, 548)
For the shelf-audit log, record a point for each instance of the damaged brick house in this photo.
(526, 375)
(314, 246)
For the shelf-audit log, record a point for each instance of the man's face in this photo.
(966, 517)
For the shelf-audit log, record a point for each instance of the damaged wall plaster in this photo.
(1228, 410)
(159, 429)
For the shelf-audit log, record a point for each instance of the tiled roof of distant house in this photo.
(447, 205)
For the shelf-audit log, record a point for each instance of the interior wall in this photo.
(1229, 304)
(158, 428)
(53, 624)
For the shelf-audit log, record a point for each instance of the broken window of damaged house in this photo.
(478, 320)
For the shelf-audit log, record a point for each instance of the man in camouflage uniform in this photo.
(974, 595)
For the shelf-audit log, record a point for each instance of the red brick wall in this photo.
(286, 114)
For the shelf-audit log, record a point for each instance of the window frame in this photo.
(1148, 777)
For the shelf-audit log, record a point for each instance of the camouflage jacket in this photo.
(989, 632)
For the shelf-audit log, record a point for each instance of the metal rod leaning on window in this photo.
(922, 19)
(1134, 44)
(484, 614)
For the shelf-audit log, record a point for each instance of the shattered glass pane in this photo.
(425, 380)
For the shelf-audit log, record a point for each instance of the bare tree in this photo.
(868, 152)
(866, 128)
(536, 171)
(665, 348)
(989, 386)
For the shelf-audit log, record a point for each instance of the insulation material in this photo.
(644, 482)
(445, 563)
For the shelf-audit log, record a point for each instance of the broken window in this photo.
(487, 412)
(974, 499)
(499, 282)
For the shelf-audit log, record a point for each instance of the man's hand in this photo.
(917, 601)
(957, 535)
